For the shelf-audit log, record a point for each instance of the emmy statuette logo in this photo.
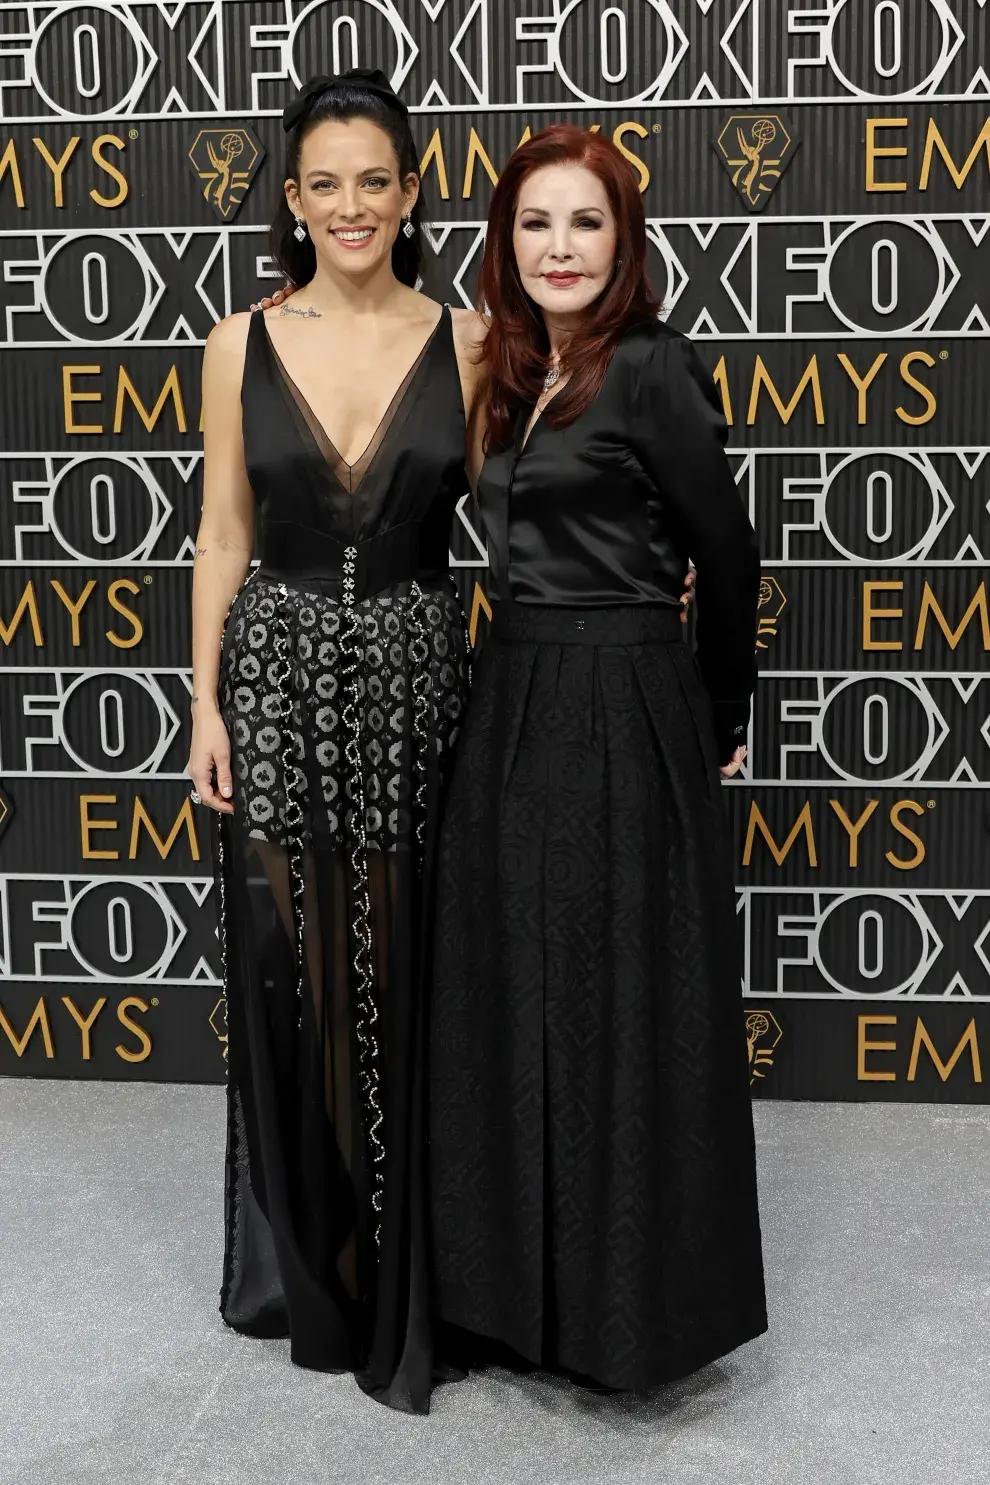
(226, 161)
(763, 1034)
(770, 608)
(218, 1021)
(756, 149)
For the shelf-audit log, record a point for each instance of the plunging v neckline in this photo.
(324, 442)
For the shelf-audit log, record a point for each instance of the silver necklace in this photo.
(552, 377)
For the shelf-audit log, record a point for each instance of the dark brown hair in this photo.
(344, 99)
(517, 345)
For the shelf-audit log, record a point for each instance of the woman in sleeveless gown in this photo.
(340, 687)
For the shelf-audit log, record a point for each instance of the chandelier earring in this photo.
(299, 231)
(408, 228)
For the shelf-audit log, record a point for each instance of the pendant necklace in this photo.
(552, 377)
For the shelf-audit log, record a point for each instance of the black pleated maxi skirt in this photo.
(592, 1163)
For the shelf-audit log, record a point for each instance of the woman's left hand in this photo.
(738, 759)
(687, 597)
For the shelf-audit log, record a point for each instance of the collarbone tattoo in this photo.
(309, 313)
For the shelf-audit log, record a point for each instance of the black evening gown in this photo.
(592, 1158)
(342, 682)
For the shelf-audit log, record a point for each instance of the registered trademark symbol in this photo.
(931, 804)
(658, 128)
(154, 1000)
(132, 134)
(147, 580)
(943, 355)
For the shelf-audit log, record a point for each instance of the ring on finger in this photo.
(195, 796)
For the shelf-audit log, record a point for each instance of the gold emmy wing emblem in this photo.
(770, 608)
(755, 149)
(763, 1034)
(226, 161)
(218, 1020)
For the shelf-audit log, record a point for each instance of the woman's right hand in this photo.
(209, 750)
(279, 297)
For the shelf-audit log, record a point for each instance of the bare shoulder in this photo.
(470, 330)
(225, 347)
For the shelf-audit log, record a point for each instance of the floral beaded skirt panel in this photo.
(341, 717)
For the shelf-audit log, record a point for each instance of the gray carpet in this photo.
(115, 1366)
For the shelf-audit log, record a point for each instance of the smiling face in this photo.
(564, 239)
(350, 194)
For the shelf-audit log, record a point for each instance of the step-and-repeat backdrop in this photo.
(817, 182)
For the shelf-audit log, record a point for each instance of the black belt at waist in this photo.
(630, 624)
(319, 559)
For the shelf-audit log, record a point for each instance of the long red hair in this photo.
(517, 345)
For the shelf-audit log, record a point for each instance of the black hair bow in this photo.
(363, 79)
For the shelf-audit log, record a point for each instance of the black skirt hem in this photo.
(479, 1348)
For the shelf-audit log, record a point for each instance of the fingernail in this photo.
(225, 790)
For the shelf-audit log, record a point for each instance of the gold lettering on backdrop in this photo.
(8, 162)
(804, 825)
(853, 829)
(28, 604)
(171, 391)
(125, 585)
(876, 152)
(170, 388)
(922, 1039)
(720, 377)
(861, 383)
(133, 1002)
(870, 613)
(75, 608)
(934, 145)
(435, 155)
(38, 1018)
(863, 1046)
(637, 164)
(902, 829)
(140, 820)
(58, 160)
(57, 167)
(99, 144)
(479, 604)
(944, 1069)
(40, 1022)
(183, 821)
(434, 152)
(85, 1023)
(779, 853)
(930, 605)
(919, 387)
(70, 397)
(762, 378)
(87, 824)
(476, 152)
(934, 141)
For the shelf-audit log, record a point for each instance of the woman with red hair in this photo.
(594, 1191)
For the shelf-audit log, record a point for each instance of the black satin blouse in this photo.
(611, 509)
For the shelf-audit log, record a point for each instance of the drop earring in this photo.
(299, 231)
(409, 229)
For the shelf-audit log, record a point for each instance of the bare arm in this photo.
(224, 544)
(470, 333)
